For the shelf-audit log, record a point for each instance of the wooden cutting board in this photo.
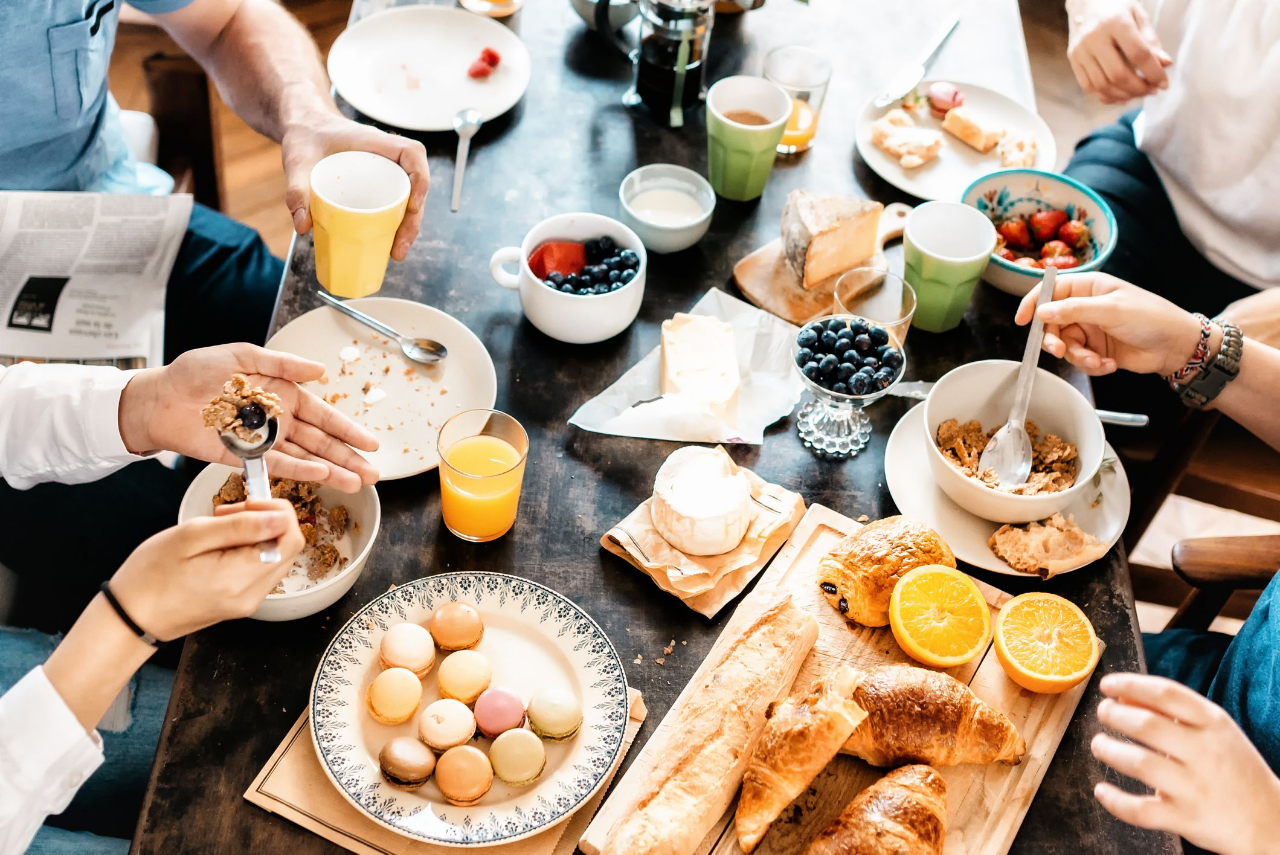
(764, 278)
(985, 804)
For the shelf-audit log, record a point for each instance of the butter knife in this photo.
(908, 78)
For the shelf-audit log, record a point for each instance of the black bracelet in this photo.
(124, 616)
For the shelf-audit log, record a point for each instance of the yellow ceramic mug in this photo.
(357, 202)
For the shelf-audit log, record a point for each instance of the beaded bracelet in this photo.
(1198, 359)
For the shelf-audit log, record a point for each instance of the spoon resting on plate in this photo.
(422, 350)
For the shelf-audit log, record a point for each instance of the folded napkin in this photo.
(635, 406)
(294, 785)
(705, 583)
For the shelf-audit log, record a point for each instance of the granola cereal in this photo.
(223, 412)
(1053, 461)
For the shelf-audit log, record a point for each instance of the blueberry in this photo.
(829, 365)
(567, 288)
(592, 249)
(871, 362)
(836, 324)
(860, 327)
(555, 278)
(845, 332)
(846, 370)
(616, 285)
(602, 275)
(585, 291)
(881, 349)
(811, 370)
(615, 277)
(607, 246)
(807, 338)
(892, 359)
(612, 263)
(804, 355)
(862, 343)
(629, 258)
(860, 384)
(628, 275)
(866, 372)
(841, 388)
(828, 340)
(572, 279)
(842, 346)
(252, 416)
(879, 336)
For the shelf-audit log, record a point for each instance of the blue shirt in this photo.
(59, 126)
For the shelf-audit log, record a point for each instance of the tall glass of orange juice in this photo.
(803, 73)
(482, 457)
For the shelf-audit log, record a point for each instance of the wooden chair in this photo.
(1218, 567)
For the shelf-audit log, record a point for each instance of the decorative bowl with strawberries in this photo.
(1043, 219)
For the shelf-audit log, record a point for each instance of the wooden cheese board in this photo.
(764, 278)
(986, 804)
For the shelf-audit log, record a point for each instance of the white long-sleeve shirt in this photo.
(57, 423)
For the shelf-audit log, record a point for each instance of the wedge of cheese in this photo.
(701, 502)
(826, 235)
(970, 128)
(700, 360)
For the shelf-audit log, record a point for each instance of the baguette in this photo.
(711, 741)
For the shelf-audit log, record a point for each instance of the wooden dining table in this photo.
(566, 147)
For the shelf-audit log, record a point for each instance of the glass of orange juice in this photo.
(482, 456)
(803, 73)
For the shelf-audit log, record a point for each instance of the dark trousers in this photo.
(63, 540)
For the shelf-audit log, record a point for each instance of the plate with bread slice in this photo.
(943, 136)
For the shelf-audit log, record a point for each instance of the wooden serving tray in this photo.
(985, 804)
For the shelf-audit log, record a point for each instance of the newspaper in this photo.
(83, 276)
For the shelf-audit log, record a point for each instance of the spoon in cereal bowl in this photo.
(1009, 453)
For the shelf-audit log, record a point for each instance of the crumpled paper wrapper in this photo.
(635, 406)
(705, 583)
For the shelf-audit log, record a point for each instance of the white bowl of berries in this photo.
(1042, 219)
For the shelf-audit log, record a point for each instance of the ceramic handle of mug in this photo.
(506, 255)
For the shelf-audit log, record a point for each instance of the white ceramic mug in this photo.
(571, 318)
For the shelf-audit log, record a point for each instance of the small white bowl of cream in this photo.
(668, 206)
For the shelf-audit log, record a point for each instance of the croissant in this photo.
(858, 575)
(903, 813)
(800, 737)
(915, 715)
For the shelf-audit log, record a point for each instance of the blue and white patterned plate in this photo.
(534, 637)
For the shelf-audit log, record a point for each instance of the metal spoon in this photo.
(466, 123)
(1009, 452)
(256, 482)
(422, 350)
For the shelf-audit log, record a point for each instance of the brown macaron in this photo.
(464, 775)
(456, 626)
(406, 763)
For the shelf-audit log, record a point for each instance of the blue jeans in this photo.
(101, 818)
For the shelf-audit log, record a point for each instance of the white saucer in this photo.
(1102, 514)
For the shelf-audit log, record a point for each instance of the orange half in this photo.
(939, 616)
(1045, 643)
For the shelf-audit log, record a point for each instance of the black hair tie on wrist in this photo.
(124, 616)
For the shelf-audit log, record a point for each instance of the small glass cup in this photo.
(803, 73)
(879, 296)
(492, 8)
(482, 459)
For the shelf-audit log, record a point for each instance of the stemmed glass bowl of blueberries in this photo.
(847, 362)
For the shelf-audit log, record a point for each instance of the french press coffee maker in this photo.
(670, 59)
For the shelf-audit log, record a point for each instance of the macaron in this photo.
(464, 775)
(406, 763)
(394, 695)
(463, 676)
(457, 626)
(498, 709)
(555, 714)
(445, 724)
(518, 757)
(408, 645)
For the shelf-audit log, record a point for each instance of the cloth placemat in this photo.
(294, 785)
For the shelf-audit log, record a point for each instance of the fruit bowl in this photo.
(834, 424)
(1022, 192)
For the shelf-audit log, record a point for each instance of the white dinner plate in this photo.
(533, 638)
(419, 398)
(1102, 512)
(407, 66)
(957, 165)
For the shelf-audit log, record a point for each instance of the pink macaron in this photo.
(498, 710)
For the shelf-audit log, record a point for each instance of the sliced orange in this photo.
(939, 616)
(1045, 643)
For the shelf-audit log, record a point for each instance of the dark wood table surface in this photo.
(566, 147)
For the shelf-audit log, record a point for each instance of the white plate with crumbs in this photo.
(407, 67)
(1102, 512)
(367, 378)
(957, 164)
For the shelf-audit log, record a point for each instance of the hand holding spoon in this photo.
(422, 350)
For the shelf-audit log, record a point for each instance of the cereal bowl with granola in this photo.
(339, 528)
(968, 404)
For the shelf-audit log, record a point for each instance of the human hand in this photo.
(1211, 785)
(208, 569)
(307, 142)
(160, 409)
(1114, 51)
(1100, 323)
(1258, 316)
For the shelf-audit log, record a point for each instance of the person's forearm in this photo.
(95, 661)
(1253, 398)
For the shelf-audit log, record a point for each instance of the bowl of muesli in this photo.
(339, 529)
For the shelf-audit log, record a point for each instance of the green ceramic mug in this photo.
(947, 246)
(745, 120)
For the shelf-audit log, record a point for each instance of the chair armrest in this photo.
(1230, 562)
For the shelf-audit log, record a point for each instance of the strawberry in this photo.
(1074, 234)
(1015, 233)
(1027, 261)
(479, 69)
(1045, 224)
(1006, 253)
(491, 57)
(1054, 248)
(1062, 262)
